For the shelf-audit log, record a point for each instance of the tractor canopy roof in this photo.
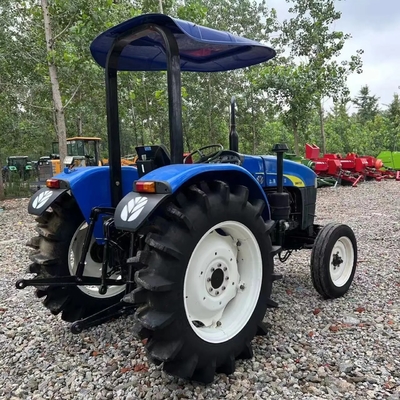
(201, 49)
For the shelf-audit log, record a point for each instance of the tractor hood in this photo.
(201, 49)
(294, 173)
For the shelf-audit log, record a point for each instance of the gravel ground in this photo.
(347, 348)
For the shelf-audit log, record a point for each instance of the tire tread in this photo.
(320, 256)
(155, 319)
(55, 229)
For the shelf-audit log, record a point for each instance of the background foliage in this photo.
(278, 101)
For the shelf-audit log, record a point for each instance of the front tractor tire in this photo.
(57, 250)
(207, 280)
(334, 260)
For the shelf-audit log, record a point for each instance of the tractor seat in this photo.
(151, 158)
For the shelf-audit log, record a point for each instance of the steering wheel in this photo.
(206, 157)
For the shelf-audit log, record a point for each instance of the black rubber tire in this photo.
(162, 318)
(50, 259)
(320, 260)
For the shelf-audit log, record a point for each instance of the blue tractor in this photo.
(187, 247)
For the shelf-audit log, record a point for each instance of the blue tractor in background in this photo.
(187, 245)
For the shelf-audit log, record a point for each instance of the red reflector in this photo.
(53, 183)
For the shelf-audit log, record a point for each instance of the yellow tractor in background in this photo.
(81, 152)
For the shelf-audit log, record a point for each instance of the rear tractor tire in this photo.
(206, 281)
(334, 260)
(56, 253)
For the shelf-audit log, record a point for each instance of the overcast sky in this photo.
(375, 28)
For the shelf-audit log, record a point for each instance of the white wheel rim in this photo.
(341, 261)
(223, 282)
(92, 267)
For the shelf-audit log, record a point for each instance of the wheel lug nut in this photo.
(219, 265)
(212, 269)
(211, 289)
(219, 323)
(208, 279)
(225, 268)
(223, 287)
(227, 278)
(216, 292)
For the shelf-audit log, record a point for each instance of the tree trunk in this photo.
(160, 6)
(296, 139)
(321, 124)
(58, 106)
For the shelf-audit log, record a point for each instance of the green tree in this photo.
(311, 37)
(366, 104)
(293, 95)
(209, 94)
(278, 101)
(393, 116)
(338, 128)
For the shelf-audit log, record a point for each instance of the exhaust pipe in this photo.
(233, 136)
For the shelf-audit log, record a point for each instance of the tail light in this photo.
(145, 187)
(53, 183)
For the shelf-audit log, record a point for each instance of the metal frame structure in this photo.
(174, 101)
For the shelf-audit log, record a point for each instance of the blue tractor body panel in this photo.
(294, 173)
(129, 217)
(178, 174)
(90, 186)
(263, 168)
(256, 173)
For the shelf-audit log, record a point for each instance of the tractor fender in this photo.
(90, 187)
(135, 208)
(43, 199)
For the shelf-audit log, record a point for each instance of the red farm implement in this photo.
(372, 167)
(344, 170)
(352, 169)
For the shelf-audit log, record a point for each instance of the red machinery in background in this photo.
(352, 169)
(376, 168)
(333, 165)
